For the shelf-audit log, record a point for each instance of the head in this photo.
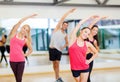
(64, 25)
(94, 30)
(25, 30)
(84, 33)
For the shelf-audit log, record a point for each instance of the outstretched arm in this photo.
(63, 18)
(75, 30)
(96, 19)
(16, 26)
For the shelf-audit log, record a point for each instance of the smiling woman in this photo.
(17, 41)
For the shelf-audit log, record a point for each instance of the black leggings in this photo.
(89, 55)
(8, 48)
(2, 50)
(18, 69)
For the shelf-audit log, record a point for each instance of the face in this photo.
(94, 31)
(25, 30)
(85, 33)
(64, 26)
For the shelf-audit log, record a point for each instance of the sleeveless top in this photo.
(92, 42)
(16, 53)
(57, 40)
(77, 56)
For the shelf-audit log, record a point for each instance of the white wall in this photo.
(14, 11)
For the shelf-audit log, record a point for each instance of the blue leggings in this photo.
(18, 69)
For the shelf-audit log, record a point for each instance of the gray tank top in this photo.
(57, 40)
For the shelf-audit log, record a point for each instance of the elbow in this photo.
(31, 50)
(96, 54)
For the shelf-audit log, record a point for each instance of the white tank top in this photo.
(57, 40)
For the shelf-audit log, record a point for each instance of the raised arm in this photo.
(75, 30)
(58, 26)
(96, 19)
(16, 26)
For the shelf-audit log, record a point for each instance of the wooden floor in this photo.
(98, 75)
(111, 75)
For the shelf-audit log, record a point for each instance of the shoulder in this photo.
(88, 44)
(95, 41)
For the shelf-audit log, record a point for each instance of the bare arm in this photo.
(62, 19)
(75, 30)
(96, 45)
(3, 39)
(94, 50)
(66, 43)
(29, 45)
(96, 19)
(16, 26)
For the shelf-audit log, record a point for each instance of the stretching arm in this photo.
(58, 26)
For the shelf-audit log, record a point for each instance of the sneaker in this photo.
(60, 80)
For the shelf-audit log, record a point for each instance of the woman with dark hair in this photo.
(93, 39)
(2, 48)
(78, 48)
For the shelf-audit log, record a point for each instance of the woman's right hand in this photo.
(72, 10)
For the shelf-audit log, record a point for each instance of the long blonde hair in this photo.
(28, 36)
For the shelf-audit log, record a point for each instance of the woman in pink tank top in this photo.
(77, 52)
(17, 41)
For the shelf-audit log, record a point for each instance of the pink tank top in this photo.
(78, 57)
(16, 53)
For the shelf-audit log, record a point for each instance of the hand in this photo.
(61, 48)
(25, 55)
(104, 17)
(72, 10)
(87, 61)
(94, 16)
(33, 15)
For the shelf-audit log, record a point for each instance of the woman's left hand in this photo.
(87, 61)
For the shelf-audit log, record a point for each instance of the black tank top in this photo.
(92, 42)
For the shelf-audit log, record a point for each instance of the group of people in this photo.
(82, 48)
(5, 46)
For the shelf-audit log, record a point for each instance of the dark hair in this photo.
(96, 36)
(5, 36)
(85, 28)
(65, 22)
(94, 26)
(78, 33)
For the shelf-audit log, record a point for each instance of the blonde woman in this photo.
(17, 41)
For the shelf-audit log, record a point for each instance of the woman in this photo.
(17, 41)
(2, 48)
(94, 42)
(93, 39)
(77, 50)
